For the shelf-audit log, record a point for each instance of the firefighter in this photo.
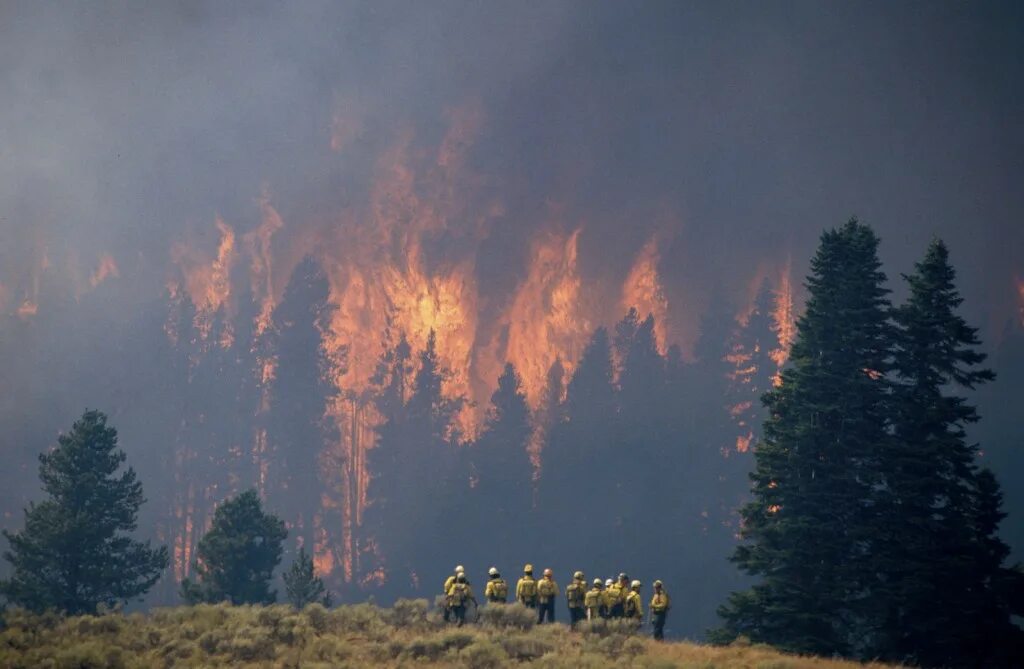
(496, 591)
(459, 596)
(593, 601)
(448, 583)
(575, 594)
(547, 591)
(634, 607)
(526, 588)
(615, 595)
(660, 604)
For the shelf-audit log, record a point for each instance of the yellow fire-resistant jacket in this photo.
(594, 600)
(459, 594)
(612, 595)
(496, 590)
(660, 602)
(547, 590)
(575, 594)
(634, 606)
(526, 590)
(448, 583)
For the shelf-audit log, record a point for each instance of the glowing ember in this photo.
(107, 269)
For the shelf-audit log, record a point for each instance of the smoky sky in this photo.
(737, 130)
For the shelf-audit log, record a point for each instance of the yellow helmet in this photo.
(460, 569)
(635, 585)
(578, 576)
(598, 582)
(528, 569)
(657, 584)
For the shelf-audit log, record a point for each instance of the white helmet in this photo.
(635, 585)
(493, 571)
(460, 569)
(608, 583)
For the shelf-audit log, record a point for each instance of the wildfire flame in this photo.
(643, 290)
(107, 269)
(546, 320)
(208, 281)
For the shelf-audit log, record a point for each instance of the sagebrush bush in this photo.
(523, 647)
(408, 614)
(363, 635)
(508, 616)
(483, 654)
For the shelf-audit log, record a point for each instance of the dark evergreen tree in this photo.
(501, 499)
(75, 551)
(297, 430)
(583, 438)
(937, 552)
(808, 529)
(238, 555)
(413, 484)
(301, 584)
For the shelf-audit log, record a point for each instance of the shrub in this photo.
(456, 640)
(328, 649)
(524, 648)
(250, 645)
(90, 654)
(429, 649)
(356, 618)
(483, 654)
(317, 616)
(408, 613)
(604, 628)
(508, 616)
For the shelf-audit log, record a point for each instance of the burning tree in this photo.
(818, 462)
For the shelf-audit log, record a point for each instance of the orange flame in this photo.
(107, 269)
(784, 320)
(258, 244)
(546, 320)
(28, 309)
(644, 291)
(208, 281)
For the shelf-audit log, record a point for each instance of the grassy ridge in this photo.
(362, 635)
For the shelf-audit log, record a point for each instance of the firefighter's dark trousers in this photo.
(658, 621)
(546, 609)
(459, 615)
(576, 615)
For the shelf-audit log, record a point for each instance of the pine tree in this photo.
(297, 430)
(75, 551)
(238, 555)
(503, 494)
(807, 530)
(937, 551)
(412, 484)
(586, 434)
(301, 584)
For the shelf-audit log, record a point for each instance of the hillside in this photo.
(350, 636)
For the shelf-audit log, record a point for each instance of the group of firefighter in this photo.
(603, 600)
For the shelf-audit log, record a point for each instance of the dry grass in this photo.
(407, 635)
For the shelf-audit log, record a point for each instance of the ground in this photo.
(362, 635)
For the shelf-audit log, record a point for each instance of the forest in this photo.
(845, 484)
